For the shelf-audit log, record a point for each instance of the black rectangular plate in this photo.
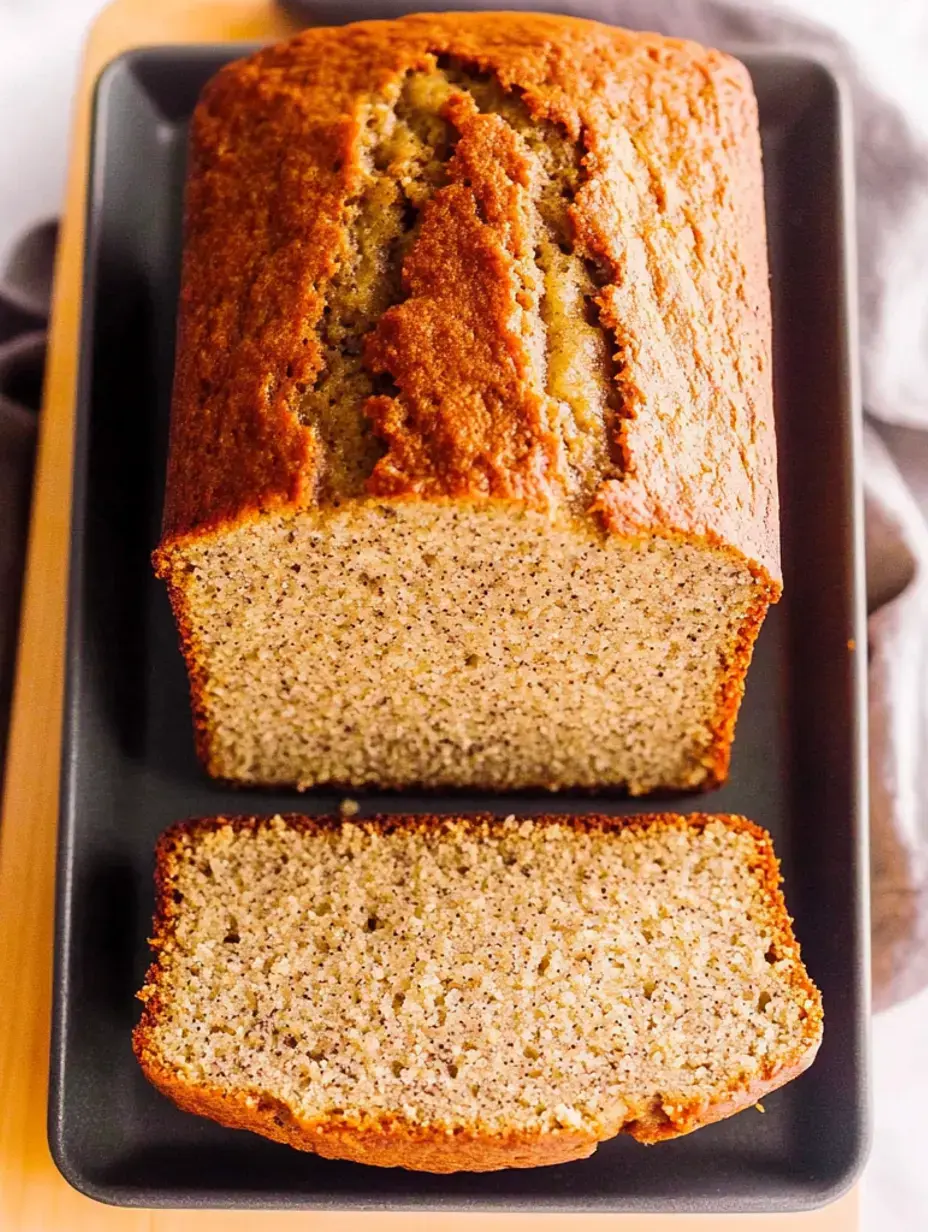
(129, 768)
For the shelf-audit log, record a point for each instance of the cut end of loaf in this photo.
(444, 645)
(447, 993)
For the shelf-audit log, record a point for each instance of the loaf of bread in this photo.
(472, 471)
(453, 994)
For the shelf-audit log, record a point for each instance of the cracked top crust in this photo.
(479, 256)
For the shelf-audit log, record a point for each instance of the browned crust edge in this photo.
(731, 686)
(388, 1142)
(392, 1141)
(169, 567)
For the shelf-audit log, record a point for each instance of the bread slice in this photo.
(472, 475)
(453, 994)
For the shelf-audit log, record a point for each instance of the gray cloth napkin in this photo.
(25, 283)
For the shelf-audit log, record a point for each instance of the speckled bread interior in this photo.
(472, 470)
(453, 993)
(437, 644)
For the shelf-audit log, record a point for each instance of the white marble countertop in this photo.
(40, 42)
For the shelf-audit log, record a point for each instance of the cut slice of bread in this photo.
(446, 994)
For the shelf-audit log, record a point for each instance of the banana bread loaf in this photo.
(472, 469)
(469, 994)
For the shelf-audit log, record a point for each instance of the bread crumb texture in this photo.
(472, 471)
(446, 993)
(446, 646)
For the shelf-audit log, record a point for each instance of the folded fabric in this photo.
(25, 288)
(21, 362)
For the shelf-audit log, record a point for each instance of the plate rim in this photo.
(850, 401)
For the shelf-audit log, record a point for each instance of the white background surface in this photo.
(40, 44)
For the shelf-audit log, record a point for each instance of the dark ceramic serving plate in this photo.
(129, 767)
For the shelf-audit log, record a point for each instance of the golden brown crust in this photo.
(731, 687)
(392, 1141)
(670, 207)
(196, 671)
(388, 1142)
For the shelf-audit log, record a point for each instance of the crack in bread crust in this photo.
(407, 155)
(522, 175)
(581, 359)
(402, 152)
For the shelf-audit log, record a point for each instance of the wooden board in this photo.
(33, 1196)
